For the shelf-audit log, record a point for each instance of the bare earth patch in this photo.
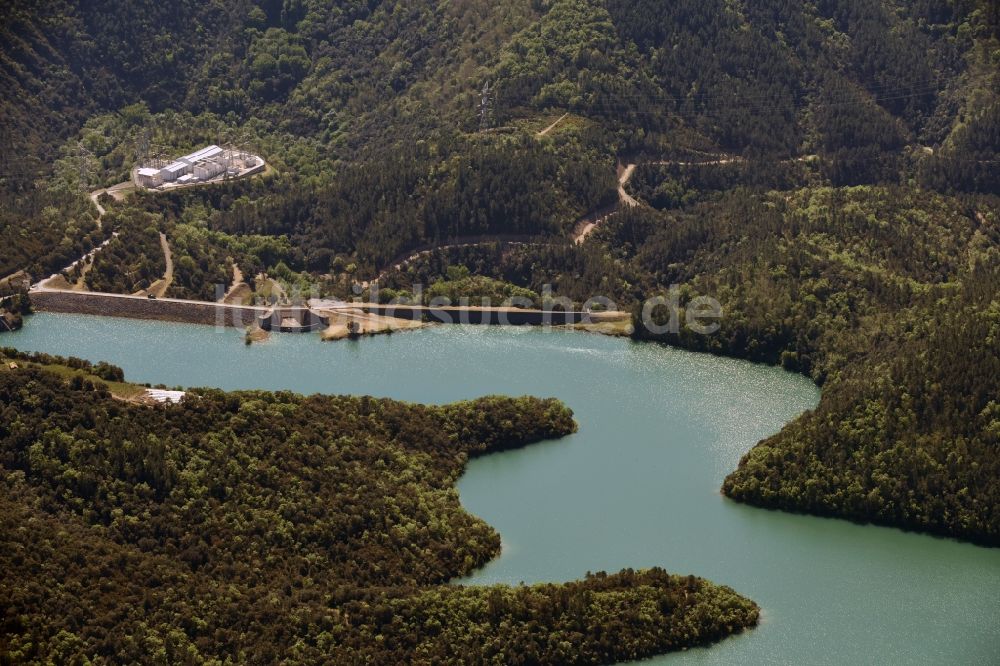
(364, 323)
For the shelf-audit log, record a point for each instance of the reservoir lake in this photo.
(637, 486)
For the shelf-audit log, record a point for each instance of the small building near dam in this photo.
(292, 320)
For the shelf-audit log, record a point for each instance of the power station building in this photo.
(148, 177)
(200, 165)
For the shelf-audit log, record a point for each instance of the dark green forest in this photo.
(828, 171)
(887, 297)
(369, 111)
(325, 529)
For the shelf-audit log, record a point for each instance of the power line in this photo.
(929, 85)
(486, 107)
(620, 103)
(617, 102)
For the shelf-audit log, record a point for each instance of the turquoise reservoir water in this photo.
(638, 486)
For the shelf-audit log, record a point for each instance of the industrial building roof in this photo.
(147, 171)
(164, 396)
(203, 154)
(184, 163)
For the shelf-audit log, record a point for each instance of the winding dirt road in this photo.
(553, 125)
(100, 209)
(239, 292)
(623, 178)
(581, 230)
(159, 288)
(586, 225)
(168, 275)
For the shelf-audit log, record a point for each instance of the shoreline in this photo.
(337, 330)
(338, 321)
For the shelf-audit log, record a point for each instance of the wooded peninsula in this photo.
(828, 172)
(327, 528)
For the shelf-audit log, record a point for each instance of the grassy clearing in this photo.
(621, 328)
(121, 390)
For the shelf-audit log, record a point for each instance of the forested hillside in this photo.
(829, 171)
(889, 299)
(370, 111)
(324, 529)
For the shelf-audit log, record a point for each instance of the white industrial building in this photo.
(200, 166)
(149, 177)
(209, 163)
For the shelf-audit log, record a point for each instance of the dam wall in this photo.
(487, 316)
(134, 307)
(293, 319)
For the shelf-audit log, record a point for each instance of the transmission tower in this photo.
(84, 165)
(159, 155)
(246, 139)
(6, 141)
(486, 107)
(225, 142)
(142, 147)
